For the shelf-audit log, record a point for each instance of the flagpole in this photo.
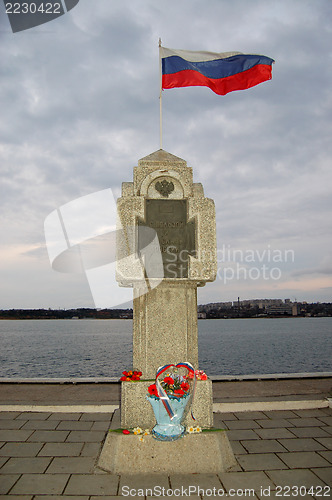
(160, 98)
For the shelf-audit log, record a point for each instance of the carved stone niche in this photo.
(164, 197)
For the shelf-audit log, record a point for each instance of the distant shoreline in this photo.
(199, 319)
(256, 308)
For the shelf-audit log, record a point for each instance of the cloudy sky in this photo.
(79, 107)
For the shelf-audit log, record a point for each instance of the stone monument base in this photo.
(136, 411)
(207, 452)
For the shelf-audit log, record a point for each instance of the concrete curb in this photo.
(217, 407)
(61, 408)
(115, 380)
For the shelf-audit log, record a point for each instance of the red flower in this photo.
(131, 375)
(168, 380)
(185, 386)
(178, 392)
(125, 431)
(153, 390)
(204, 376)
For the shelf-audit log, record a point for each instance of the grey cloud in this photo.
(79, 105)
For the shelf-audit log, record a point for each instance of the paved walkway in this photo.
(46, 455)
(53, 453)
(296, 388)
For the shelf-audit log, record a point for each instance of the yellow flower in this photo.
(141, 439)
(146, 432)
(191, 429)
(198, 429)
(137, 430)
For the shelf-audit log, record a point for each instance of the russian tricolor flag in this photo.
(222, 72)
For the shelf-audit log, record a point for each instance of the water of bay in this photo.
(103, 348)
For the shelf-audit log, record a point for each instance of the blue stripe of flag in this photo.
(217, 68)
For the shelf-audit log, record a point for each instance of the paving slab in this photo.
(238, 448)
(327, 455)
(279, 494)
(242, 424)
(91, 450)
(297, 477)
(314, 412)
(143, 481)
(263, 446)
(14, 435)
(39, 484)
(250, 415)
(303, 460)
(61, 450)
(60, 497)
(261, 461)
(108, 497)
(48, 436)
(326, 420)
(202, 481)
(25, 465)
(245, 480)
(307, 432)
(33, 415)
(277, 433)
(7, 482)
(305, 422)
(239, 434)
(74, 425)
(39, 425)
(11, 424)
(271, 423)
(20, 449)
(94, 417)
(301, 444)
(280, 414)
(4, 415)
(180, 497)
(65, 416)
(71, 465)
(325, 441)
(85, 436)
(101, 425)
(326, 476)
(224, 416)
(16, 497)
(92, 485)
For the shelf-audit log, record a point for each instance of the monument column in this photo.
(165, 210)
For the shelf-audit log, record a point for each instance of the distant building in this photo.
(295, 309)
(279, 310)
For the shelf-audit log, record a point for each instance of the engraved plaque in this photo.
(176, 234)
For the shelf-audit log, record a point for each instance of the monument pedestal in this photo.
(136, 411)
(208, 452)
